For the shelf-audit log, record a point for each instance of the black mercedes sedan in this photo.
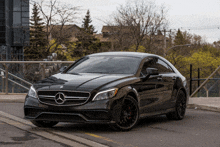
(116, 88)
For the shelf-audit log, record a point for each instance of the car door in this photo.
(164, 86)
(147, 89)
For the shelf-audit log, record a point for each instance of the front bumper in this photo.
(91, 112)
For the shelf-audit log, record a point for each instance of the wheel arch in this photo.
(186, 94)
(124, 92)
(184, 90)
(133, 95)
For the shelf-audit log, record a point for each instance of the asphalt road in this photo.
(198, 129)
(11, 136)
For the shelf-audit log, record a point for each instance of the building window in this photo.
(2, 22)
(2, 10)
(2, 34)
(2, 2)
(25, 20)
(17, 18)
(2, 28)
(25, 14)
(2, 15)
(2, 41)
(17, 5)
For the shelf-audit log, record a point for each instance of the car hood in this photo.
(77, 82)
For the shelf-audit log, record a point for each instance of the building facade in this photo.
(14, 29)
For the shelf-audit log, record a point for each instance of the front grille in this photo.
(71, 97)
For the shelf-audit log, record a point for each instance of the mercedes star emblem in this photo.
(59, 98)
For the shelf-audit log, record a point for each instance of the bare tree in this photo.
(143, 19)
(119, 36)
(58, 18)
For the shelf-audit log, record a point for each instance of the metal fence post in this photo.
(13, 88)
(198, 80)
(6, 78)
(3, 83)
(190, 82)
(43, 70)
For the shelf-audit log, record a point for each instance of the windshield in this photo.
(106, 65)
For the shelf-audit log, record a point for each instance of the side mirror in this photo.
(152, 71)
(149, 72)
(63, 68)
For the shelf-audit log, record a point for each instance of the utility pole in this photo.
(165, 40)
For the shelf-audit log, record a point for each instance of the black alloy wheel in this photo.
(44, 124)
(180, 109)
(128, 115)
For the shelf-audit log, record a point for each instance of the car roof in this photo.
(128, 54)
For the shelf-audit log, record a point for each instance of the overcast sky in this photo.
(201, 17)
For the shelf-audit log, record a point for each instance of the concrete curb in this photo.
(12, 98)
(203, 107)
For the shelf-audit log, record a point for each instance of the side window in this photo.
(150, 62)
(163, 67)
(158, 64)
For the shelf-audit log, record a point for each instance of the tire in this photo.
(44, 124)
(180, 107)
(128, 114)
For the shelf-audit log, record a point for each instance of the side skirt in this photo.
(157, 113)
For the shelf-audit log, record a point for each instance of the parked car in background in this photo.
(117, 88)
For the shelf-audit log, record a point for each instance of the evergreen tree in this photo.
(36, 50)
(87, 42)
(86, 24)
(179, 39)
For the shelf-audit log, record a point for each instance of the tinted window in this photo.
(147, 63)
(158, 64)
(106, 64)
(2, 35)
(2, 15)
(2, 28)
(2, 22)
(163, 67)
(2, 41)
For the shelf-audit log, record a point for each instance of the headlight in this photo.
(107, 94)
(32, 92)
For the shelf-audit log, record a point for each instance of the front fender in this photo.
(125, 91)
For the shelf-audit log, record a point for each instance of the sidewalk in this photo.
(201, 103)
(204, 103)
